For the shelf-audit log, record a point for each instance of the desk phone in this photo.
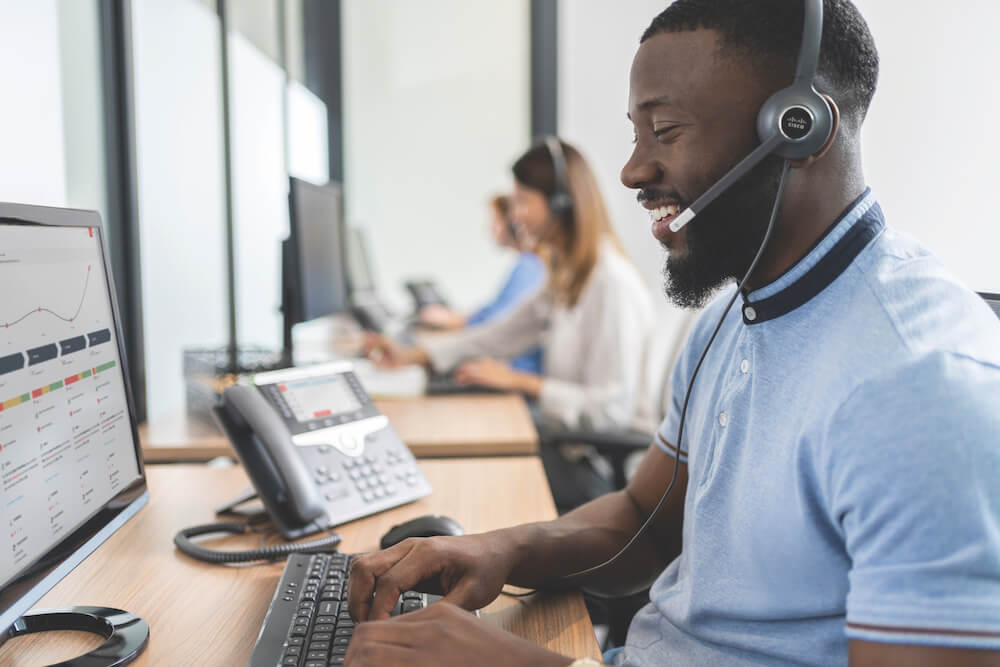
(318, 451)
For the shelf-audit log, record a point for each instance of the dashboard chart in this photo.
(66, 443)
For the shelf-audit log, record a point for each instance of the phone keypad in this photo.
(372, 477)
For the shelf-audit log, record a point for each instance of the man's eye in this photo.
(663, 131)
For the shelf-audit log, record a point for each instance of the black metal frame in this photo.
(544, 67)
(321, 19)
(122, 222)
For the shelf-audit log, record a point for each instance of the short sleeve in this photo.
(912, 479)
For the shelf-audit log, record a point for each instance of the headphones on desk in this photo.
(560, 201)
(793, 124)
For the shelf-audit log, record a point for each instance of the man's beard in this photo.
(724, 238)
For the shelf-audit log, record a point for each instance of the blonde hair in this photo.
(569, 246)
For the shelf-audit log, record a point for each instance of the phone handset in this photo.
(270, 459)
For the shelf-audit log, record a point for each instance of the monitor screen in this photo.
(69, 458)
(317, 248)
(358, 264)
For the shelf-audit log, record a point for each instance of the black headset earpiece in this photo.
(560, 201)
(793, 123)
(799, 115)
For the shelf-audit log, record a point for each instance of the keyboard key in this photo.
(344, 632)
(316, 663)
(340, 641)
(294, 641)
(412, 605)
(322, 620)
(320, 637)
(319, 646)
(290, 660)
(323, 627)
(316, 655)
(299, 631)
(329, 608)
(293, 650)
(336, 660)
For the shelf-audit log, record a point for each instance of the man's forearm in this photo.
(545, 552)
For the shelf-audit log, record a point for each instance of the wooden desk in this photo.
(201, 614)
(460, 425)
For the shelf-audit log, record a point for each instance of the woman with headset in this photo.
(592, 318)
(523, 280)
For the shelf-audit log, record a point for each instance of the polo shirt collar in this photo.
(846, 238)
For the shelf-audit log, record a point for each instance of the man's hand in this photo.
(469, 571)
(493, 373)
(387, 353)
(443, 634)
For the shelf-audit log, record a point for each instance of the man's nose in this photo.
(640, 171)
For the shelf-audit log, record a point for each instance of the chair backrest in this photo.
(670, 332)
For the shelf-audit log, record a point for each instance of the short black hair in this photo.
(769, 32)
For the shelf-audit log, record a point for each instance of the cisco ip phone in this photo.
(318, 451)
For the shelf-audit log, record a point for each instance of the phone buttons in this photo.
(350, 444)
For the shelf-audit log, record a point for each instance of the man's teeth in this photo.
(664, 211)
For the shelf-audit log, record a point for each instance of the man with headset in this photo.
(835, 483)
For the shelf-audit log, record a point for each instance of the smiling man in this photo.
(836, 482)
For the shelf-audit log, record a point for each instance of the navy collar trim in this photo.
(826, 269)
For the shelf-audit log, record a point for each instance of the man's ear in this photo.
(835, 110)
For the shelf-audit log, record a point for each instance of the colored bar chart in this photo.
(17, 400)
(58, 384)
(76, 378)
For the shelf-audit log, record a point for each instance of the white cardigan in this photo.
(594, 352)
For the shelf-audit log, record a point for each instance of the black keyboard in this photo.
(307, 623)
(445, 384)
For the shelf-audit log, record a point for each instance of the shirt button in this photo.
(744, 366)
(750, 313)
(723, 419)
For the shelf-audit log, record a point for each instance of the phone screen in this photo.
(315, 398)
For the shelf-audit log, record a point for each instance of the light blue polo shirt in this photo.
(843, 443)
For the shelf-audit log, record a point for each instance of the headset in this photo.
(560, 201)
(793, 123)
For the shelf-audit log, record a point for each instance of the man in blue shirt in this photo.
(837, 494)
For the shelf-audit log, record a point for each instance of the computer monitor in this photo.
(314, 280)
(993, 300)
(359, 266)
(71, 472)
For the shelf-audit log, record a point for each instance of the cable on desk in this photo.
(187, 546)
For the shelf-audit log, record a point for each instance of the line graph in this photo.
(43, 309)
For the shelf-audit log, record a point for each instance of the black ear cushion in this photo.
(561, 205)
(801, 116)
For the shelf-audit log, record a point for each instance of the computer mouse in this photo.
(428, 525)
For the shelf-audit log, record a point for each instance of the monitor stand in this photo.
(126, 633)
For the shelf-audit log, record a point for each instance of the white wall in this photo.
(436, 108)
(931, 139)
(593, 100)
(31, 127)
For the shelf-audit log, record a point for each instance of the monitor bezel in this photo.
(28, 587)
(303, 310)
